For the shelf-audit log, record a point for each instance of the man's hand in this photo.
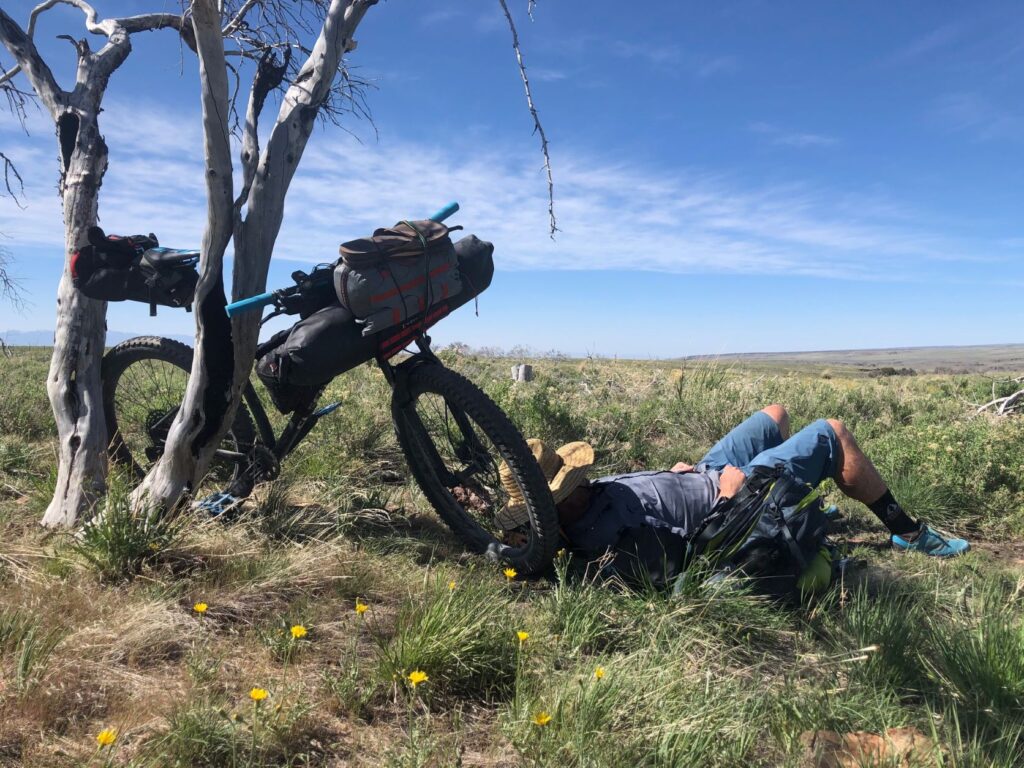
(730, 481)
(682, 466)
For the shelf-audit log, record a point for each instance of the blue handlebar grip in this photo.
(250, 304)
(445, 212)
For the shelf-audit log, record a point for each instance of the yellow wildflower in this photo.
(200, 607)
(451, 586)
(510, 573)
(298, 631)
(599, 673)
(106, 737)
(541, 718)
(417, 676)
(523, 636)
(258, 694)
(361, 607)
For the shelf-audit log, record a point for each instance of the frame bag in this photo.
(397, 273)
(135, 268)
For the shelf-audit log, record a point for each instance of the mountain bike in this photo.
(453, 436)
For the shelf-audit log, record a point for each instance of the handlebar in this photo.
(250, 304)
(445, 212)
(270, 297)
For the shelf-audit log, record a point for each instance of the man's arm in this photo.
(730, 481)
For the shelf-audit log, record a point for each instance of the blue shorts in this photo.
(809, 455)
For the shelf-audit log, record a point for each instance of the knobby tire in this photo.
(119, 358)
(461, 394)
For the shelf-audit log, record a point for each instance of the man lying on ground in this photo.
(594, 516)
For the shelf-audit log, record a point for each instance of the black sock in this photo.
(889, 511)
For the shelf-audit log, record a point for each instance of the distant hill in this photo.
(965, 359)
(45, 338)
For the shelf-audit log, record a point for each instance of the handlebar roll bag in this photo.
(295, 363)
(397, 273)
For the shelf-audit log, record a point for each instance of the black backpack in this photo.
(752, 533)
(135, 268)
(785, 539)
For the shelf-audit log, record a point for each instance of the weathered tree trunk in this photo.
(225, 348)
(73, 383)
(208, 395)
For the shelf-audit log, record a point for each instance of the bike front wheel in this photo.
(144, 382)
(472, 464)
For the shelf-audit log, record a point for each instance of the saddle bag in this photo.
(397, 273)
(135, 268)
(296, 363)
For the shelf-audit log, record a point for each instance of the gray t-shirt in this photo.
(680, 500)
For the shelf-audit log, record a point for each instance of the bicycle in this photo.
(453, 436)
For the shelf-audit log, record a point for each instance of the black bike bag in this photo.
(135, 268)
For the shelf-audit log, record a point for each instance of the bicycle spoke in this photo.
(470, 461)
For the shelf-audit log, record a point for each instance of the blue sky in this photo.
(729, 177)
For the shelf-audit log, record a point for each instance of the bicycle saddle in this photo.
(171, 257)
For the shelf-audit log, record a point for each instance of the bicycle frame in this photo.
(300, 424)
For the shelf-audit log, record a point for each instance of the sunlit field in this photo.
(338, 623)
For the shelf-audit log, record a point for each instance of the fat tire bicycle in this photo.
(452, 435)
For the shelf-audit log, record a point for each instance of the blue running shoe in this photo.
(218, 504)
(932, 543)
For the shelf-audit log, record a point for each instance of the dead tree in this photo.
(1006, 404)
(251, 218)
(73, 382)
(264, 37)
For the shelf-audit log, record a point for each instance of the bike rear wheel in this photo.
(144, 382)
(455, 439)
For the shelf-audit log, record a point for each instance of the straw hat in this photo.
(564, 469)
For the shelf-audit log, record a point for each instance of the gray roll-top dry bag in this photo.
(397, 273)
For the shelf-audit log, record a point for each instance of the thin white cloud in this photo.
(717, 65)
(544, 74)
(975, 114)
(779, 136)
(613, 215)
(925, 44)
(669, 57)
(652, 53)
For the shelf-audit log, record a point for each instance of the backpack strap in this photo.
(786, 483)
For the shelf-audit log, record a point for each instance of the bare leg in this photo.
(779, 415)
(855, 475)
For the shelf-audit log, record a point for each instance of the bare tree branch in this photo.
(12, 176)
(10, 287)
(537, 127)
(269, 74)
(27, 57)
(239, 18)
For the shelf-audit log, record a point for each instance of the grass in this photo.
(101, 631)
